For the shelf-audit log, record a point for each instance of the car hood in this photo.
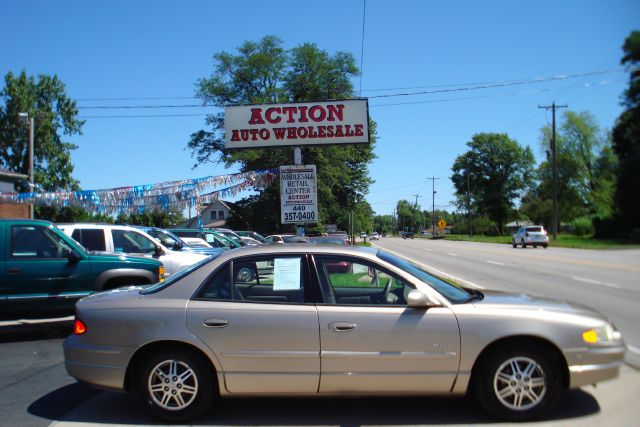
(515, 301)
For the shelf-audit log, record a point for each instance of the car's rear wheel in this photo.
(513, 243)
(517, 384)
(175, 385)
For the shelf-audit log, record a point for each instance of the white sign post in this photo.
(298, 194)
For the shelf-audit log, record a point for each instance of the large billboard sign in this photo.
(297, 124)
(298, 194)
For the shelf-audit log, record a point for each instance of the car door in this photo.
(258, 324)
(371, 341)
(39, 276)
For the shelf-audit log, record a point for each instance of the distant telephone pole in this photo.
(554, 166)
(433, 206)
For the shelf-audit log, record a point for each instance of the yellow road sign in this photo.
(442, 223)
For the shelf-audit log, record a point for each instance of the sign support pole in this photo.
(297, 160)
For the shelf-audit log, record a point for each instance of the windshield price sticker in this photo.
(298, 194)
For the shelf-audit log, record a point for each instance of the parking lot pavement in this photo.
(612, 403)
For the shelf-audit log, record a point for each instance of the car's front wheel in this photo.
(518, 384)
(175, 385)
(524, 244)
(513, 243)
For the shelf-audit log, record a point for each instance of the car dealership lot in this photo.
(36, 390)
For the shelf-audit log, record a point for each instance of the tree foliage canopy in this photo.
(586, 173)
(493, 172)
(626, 144)
(264, 72)
(45, 99)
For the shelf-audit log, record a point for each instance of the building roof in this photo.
(7, 175)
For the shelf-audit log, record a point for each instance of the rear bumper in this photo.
(101, 366)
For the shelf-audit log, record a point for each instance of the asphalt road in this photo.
(607, 280)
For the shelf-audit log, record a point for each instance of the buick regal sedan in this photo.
(225, 327)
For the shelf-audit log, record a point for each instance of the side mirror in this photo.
(159, 251)
(72, 256)
(417, 299)
(178, 246)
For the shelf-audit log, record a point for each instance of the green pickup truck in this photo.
(44, 272)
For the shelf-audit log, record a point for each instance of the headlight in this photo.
(603, 335)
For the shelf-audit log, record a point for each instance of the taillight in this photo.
(79, 327)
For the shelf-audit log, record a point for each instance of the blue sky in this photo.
(145, 50)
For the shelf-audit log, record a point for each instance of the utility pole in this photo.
(433, 206)
(417, 195)
(469, 202)
(554, 166)
(393, 223)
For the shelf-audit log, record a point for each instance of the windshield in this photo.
(455, 294)
(177, 276)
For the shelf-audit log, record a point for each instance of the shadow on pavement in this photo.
(106, 407)
(17, 331)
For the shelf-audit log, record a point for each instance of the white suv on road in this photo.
(534, 235)
(123, 239)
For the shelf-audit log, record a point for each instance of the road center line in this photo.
(452, 254)
(495, 262)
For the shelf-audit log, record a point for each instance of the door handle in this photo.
(14, 271)
(216, 323)
(341, 326)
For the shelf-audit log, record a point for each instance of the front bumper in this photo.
(98, 365)
(593, 365)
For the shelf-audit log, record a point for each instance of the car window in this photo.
(454, 293)
(36, 242)
(91, 239)
(534, 229)
(347, 281)
(268, 279)
(128, 241)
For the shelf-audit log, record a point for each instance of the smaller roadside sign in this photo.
(442, 223)
(298, 194)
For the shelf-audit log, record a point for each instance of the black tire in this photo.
(535, 246)
(545, 245)
(513, 243)
(518, 383)
(524, 244)
(196, 389)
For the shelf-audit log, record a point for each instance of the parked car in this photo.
(341, 234)
(229, 234)
(211, 237)
(249, 241)
(259, 237)
(284, 238)
(363, 235)
(44, 272)
(177, 243)
(384, 327)
(534, 235)
(195, 242)
(124, 239)
(374, 236)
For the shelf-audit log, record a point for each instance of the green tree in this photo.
(265, 72)
(586, 173)
(55, 115)
(626, 144)
(495, 171)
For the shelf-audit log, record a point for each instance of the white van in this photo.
(126, 240)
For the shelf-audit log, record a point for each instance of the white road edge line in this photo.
(596, 282)
(436, 271)
(633, 349)
(495, 262)
(452, 254)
